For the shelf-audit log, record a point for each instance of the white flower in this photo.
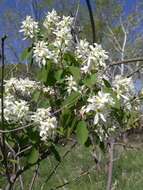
(99, 101)
(29, 27)
(99, 116)
(41, 114)
(102, 134)
(71, 84)
(123, 86)
(24, 86)
(48, 90)
(63, 40)
(51, 19)
(93, 56)
(63, 37)
(82, 49)
(98, 54)
(47, 127)
(45, 121)
(15, 111)
(98, 104)
(66, 22)
(42, 53)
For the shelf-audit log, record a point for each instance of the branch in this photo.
(75, 179)
(16, 129)
(91, 20)
(3, 145)
(58, 164)
(134, 72)
(34, 177)
(28, 166)
(123, 46)
(127, 61)
(110, 167)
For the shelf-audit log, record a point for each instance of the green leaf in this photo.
(44, 103)
(70, 59)
(42, 75)
(58, 74)
(13, 161)
(36, 95)
(72, 99)
(26, 54)
(33, 156)
(90, 81)
(82, 132)
(107, 84)
(56, 153)
(75, 71)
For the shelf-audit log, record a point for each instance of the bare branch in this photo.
(127, 61)
(110, 167)
(91, 20)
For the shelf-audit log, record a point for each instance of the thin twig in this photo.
(34, 177)
(58, 164)
(20, 176)
(17, 129)
(134, 72)
(127, 61)
(87, 172)
(24, 150)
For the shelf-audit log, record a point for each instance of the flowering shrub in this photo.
(72, 93)
(76, 72)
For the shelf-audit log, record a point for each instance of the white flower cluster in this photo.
(41, 53)
(98, 104)
(71, 84)
(15, 111)
(58, 28)
(19, 111)
(124, 87)
(104, 134)
(93, 56)
(51, 19)
(63, 34)
(29, 27)
(23, 86)
(46, 122)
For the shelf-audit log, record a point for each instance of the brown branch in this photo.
(134, 72)
(127, 61)
(110, 167)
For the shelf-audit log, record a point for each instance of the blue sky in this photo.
(7, 5)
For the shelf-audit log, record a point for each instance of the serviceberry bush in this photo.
(72, 97)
